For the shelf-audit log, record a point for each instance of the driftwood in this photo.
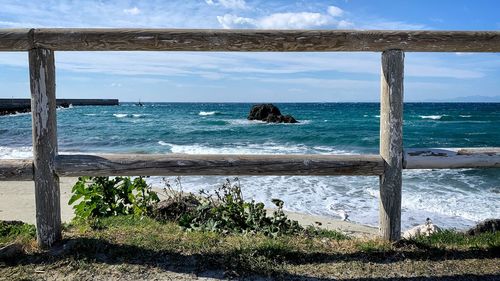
(99, 39)
(414, 158)
(16, 170)
(185, 164)
(451, 158)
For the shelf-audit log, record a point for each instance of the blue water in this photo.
(452, 198)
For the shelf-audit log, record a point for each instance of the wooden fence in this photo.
(46, 165)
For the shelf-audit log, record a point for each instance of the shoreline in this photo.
(17, 202)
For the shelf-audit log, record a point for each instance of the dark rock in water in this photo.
(289, 119)
(262, 111)
(490, 225)
(269, 113)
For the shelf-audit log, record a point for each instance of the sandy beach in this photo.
(17, 202)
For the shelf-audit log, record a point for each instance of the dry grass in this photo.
(127, 248)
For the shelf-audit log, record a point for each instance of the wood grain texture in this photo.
(15, 39)
(478, 151)
(86, 39)
(185, 164)
(43, 108)
(413, 158)
(451, 158)
(16, 170)
(391, 143)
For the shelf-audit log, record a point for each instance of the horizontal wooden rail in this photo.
(216, 164)
(16, 170)
(185, 164)
(16, 39)
(447, 158)
(87, 39)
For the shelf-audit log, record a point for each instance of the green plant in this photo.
(459, 239)
(11, 230)
(226, 211)
(103, 196)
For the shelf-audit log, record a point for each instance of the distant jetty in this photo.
(11, 106)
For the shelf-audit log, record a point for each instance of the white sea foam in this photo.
(241, 148)
(465, 116)
(120, 115)
(244, 122)
(331, 150)
(452, 198)
(64, 108)
(16, 114)
(22, 152)
(90, 114)
(433, 117)
(240, 122)
(208, 113)
(301, 122)
(358, 196)
(426, 194)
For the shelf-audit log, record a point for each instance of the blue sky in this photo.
(254, 77)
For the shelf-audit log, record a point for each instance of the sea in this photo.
(451, 198)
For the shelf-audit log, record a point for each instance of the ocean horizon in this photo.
(451, 198)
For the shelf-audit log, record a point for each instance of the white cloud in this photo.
(344, 84)
(233, 4)
(335, 11)
(300, 20)
(271, 65)
(293, 20)
(132, 11)
(89, 13)
(393, 25)
(343, 24)
(229, 21)
(426, 70)
(230, 4)
(287, 20)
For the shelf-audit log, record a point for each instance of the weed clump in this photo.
(11, 230)
(104, 196)
(225, 211)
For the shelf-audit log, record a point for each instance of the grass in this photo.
(12, 232)
(133, 248)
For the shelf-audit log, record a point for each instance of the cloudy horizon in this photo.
(251, 77)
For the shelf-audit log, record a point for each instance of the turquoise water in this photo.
(454, 198)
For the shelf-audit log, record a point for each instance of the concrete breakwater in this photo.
(11, 106)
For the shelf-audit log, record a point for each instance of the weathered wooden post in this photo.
(44, 127)
(391, 143)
